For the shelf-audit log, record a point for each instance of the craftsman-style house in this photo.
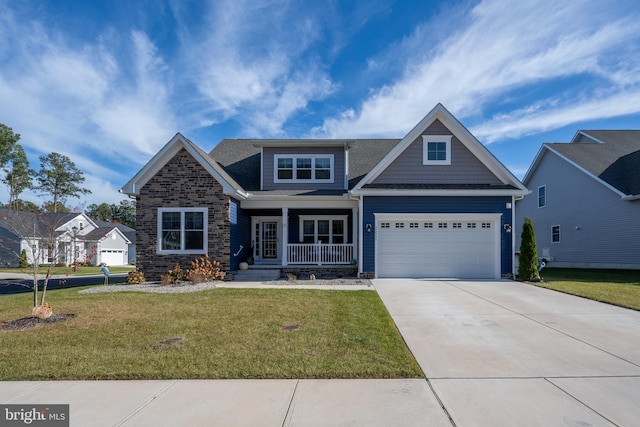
(435, 203)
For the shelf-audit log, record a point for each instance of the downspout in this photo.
(360, 233)
(360, 205)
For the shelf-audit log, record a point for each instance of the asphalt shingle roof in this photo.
(616, 161)
(241, 159)
(33, 224)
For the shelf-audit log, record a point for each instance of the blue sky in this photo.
(108, 83)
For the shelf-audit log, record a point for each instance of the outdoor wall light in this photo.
(507, 228)
(368, 228)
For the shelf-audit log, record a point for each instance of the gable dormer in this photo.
(303, 165)
(439, 156)
(436, 156)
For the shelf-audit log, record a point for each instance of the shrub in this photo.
(175, 275)
(23, 259)
(135, 277)
(204, 270)
(528, 261)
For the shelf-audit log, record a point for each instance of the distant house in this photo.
(60, 238)
(585, 201)
(435, 203)
(128, 232)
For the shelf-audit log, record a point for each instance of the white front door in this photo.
(266, 239)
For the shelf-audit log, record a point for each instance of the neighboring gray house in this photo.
(128, 232)
(585, 201)
(60, 238)
(435, 203)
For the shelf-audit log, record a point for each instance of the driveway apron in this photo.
(508, 353)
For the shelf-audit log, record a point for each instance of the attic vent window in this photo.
(436, 149)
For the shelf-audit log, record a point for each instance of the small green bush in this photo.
(23, 259)
(528, 261)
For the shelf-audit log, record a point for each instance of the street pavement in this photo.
(495, 353)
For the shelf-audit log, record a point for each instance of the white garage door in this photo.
(112, 257)
(455, 245)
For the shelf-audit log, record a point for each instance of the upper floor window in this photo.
(303, 168)
(436, 149)
(182, 230)
(542, 196)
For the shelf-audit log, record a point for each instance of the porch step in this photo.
(257, 275)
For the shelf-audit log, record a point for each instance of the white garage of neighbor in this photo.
(438, 245)
(113, 257)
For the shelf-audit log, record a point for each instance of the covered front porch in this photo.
(302, 236)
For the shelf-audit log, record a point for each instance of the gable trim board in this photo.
(167, 152)
(546, 147)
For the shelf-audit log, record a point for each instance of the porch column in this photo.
(285, 236)
(354, 239)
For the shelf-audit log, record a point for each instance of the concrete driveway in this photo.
(505, 353)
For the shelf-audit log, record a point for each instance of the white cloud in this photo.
(499, 47)
(137, 115)
(252, 65)
(541, 117)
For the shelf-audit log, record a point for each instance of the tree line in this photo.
(57, 179)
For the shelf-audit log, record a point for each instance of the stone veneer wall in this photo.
(325, 272)
(182, 182)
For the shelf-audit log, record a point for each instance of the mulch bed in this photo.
(34, 322)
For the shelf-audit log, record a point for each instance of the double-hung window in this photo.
(323, 229)
(182, 230)
(555, 234)
(542, 196)
(436, 149)
(303, 168)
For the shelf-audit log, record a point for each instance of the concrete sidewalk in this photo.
(403, 402)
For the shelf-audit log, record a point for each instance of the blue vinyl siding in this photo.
(496, 204)
(240, 234)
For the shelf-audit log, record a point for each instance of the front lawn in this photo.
(224, 333)
(619, 287)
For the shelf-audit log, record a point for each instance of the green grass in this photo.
(83, 271)
(227, 333)
(619, 287)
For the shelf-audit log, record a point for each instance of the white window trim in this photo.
(276, 157)
(559, 233)
(332, 218)
(545, 197)
(205, 239)
(426, 139)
